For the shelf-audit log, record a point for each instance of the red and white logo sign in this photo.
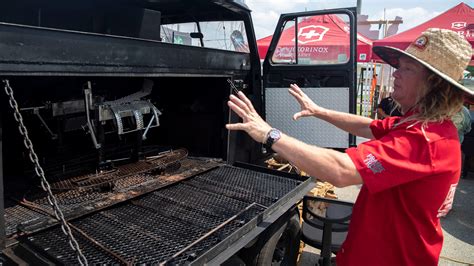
(311, 33)
(458, 25)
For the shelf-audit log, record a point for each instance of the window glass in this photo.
(321, 40)
(223, 35)
(179, 34)
(286, 47)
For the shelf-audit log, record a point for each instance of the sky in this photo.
(265, 13)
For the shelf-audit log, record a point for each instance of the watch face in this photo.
(274, 134)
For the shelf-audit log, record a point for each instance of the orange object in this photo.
(373, 85)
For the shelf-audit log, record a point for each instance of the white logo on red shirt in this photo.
(373, 164)
(448, 202)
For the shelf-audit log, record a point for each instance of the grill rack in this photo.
(77, 202)
(156, 164)
(168, 222)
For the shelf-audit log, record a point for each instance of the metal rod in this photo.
(37, 113)
(99, 245)
(236, 91)
(32, 108)
(148, 127)
(210, 233)
(160, 155)
(232, 85)
(296, 40)
(40, 209)
(88, 101)
(36, 207)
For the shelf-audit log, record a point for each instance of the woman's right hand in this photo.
(308, 107)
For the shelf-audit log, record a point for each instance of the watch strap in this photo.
(272, 136)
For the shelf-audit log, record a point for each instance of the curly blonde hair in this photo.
(437, 100)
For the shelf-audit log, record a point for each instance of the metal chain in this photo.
(39, 171)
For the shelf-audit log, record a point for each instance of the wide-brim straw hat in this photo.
(444, 52)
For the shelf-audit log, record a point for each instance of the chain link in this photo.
(39, 171)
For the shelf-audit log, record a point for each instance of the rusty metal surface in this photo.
(88, 193)
(104, 179)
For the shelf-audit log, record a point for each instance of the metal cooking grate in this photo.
(246, 185)
(156, 164)
(79, 201)
(18, 215)
(158, 226)
(73, 198)
(59, 251)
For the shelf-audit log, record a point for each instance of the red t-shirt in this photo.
(410, 175)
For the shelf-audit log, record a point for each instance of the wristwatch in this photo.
(272, 136)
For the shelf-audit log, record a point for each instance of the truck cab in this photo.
(113, 140)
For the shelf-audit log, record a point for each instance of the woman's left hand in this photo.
(252, 123)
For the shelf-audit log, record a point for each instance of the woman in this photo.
(410, 167)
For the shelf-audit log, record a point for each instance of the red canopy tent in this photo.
(459, 18)
(323, 37)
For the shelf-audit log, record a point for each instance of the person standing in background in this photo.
(462, 121)
(387, 107)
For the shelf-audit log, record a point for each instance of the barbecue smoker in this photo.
(113, 141)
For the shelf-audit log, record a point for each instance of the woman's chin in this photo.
(395, 97)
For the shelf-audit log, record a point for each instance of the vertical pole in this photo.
(359, 7)
(367, 87)
(296, 40)
(2, 196)
(384, 32)
(379, 89)
(361, 89)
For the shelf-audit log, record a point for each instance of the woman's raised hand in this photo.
(308, 107)
(252, 123)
